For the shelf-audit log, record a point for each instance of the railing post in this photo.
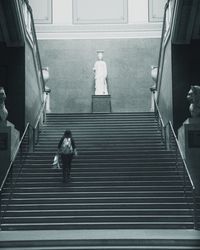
(44, 114)
(33, 131)
(195, 216)
(163, 133)
(184, 178)
(171, 143)
(30, 140)
(21, 154)
(176, 156)
(1, 208)
(167, 137)
(11, 173)
(38, 132)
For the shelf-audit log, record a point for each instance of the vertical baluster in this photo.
(195, 216)
(33, 139)
(0, 207)
(184, 178)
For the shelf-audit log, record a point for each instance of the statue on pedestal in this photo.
(154, 73)
(3, 110)
(100, 70)
(194, 97)
(153, 89)
(46, 76)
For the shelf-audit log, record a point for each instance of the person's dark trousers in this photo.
(66, 165)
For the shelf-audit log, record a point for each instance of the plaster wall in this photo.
(72, 80)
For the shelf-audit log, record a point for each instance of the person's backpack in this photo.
(66, 147)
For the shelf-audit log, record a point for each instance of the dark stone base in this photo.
(9, 141)
(189, 136)
(101, 104)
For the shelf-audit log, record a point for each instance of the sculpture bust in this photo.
(194, 97)
(100, 70)
(45, 73)
(3, 110)
(154, 73)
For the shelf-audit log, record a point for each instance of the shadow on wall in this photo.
(72, 78)
(12, 79)
(186, 65)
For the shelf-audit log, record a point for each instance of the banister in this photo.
(14, 157)
(181, 154)
(21, 140)
(9, 170)
(161, 43)
(185, 167)
(158, 111)
(28, 126)
(176, 140)
(40, 112)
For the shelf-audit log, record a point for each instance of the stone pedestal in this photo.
(189, 139)
(9, 140)
(101, 104)
(47, 92)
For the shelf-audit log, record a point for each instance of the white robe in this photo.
(100, 69)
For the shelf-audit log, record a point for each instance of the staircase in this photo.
(123, 178)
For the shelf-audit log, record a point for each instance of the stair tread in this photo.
(123, 177)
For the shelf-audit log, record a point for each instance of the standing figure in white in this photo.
(100, 70)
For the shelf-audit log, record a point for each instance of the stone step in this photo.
(94, 212)
(92, 206)
(74, 194)
(101, 242)
(123, 178)
(126, 219)
(97, 225)
(64, 188)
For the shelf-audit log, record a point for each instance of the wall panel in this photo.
(42, 10)
(100, 11)
(98, 19)
(156, 10)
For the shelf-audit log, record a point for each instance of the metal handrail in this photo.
(181, 153)
(36, 127)
(28, 126)
(159, 114)
(9, 171)
(40, 112)
(14, 157)
(161, 122)
(164, 128)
